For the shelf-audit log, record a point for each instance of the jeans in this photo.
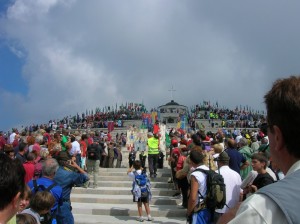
(65, 214)
(152, 162)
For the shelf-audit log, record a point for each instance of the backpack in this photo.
(92, 152)
(216, 190)
(142, 182)
(45, 218)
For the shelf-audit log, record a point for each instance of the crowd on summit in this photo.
(260, 169)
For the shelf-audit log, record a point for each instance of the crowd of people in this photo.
(53, 162)
(260, 168)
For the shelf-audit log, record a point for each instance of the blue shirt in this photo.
(67, 179)
(56, 191)
(236, 158)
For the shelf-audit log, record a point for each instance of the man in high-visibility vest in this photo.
(153, 151)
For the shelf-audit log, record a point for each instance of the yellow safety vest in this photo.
(153, 146)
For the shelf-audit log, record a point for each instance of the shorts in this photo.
(142, 199)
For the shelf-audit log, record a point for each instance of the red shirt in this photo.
(2, 142)
(29, 169)
(83, 148)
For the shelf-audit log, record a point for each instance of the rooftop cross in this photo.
(172, 90)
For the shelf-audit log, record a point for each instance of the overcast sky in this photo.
(60, 57)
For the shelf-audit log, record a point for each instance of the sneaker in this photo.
(140, 219)
(176, 194)
(150, 219)
(170, 181)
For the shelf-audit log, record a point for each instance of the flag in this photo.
(110, 126)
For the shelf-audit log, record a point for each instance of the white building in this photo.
(170, 113)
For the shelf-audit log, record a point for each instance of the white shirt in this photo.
(233, 182)
(75, 148)
(12, 137)
(238, 138)
(259, 208)
(201, 178)
(132, 175)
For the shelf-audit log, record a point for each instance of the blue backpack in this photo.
(142, 182)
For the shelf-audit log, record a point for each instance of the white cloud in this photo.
(85, 54)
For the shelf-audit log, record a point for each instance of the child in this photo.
(259, 164)
(144, 198)
(131, 157)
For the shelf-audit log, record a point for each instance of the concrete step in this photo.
(125, 178)
(112, 201)
(121, 199)
(160, 173)
(107, 219)
(128, 184)
(124, 170)
(126, 209)
(119, 191)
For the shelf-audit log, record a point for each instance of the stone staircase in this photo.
(112, 201)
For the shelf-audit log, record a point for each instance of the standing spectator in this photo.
(115, 155)
(44, 154)
(111, 155)
(198, 185)
(236, 158)
(254, 143)
(8, 150)
(12, 136)
(15, 143)
(142, 199)
(75, 150)
(143, 158)
(64, 139)
(12, 186)
(131, 157)
(2, 141)
(67, 178)
(232, 181)
(153, 151)
(277, 203)
(83, 149)
(93, 161)
(263, 178)
(29, 167)
(247, 152)
(20, 155)
(104, 156)
(49, 168)
(120, 156)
